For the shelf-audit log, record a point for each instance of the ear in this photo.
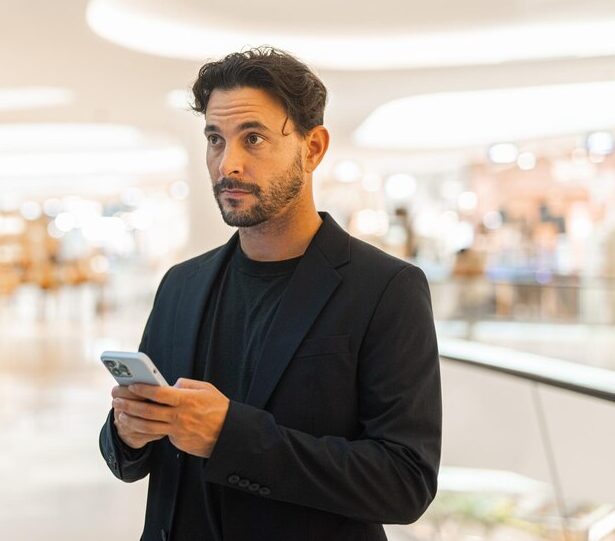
(317, 143)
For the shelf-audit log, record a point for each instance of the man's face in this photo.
(254, 159)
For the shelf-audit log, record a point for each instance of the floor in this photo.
(55, 396)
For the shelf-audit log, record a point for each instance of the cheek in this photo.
(212, 166)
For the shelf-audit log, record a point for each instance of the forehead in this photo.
(238, 105)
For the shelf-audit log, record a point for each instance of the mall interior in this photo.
(472, 139)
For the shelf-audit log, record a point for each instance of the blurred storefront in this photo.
(524, 240)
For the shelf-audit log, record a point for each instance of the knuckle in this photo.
(131, 406)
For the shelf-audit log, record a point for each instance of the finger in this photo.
(185, 383)
(121, 391)
(142, 426)
(144, 410)
(162, 395)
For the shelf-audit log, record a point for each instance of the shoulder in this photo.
(364, 252)
(193, 263)
(381, 267)
(179, 272)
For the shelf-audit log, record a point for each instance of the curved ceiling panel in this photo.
(47, 152)
(467, 119)
(392, 38)
(33, 97)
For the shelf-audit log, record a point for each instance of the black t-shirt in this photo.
(235, 322)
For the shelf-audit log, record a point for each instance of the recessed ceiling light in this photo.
(467, 201)
(600, 142)
(179, 190)
(31, 210)
(33, 97)
(126, 24)
(492, 219)
(503, 153)
(526, 161)
(347, 171)
(400, 186)
(477, 118)
(65, 221)
(52, 207)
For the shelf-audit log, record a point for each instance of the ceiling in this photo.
(51, 44)
(372, 18)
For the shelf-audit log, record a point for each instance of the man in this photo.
(306, 403)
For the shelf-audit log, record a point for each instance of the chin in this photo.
(242, 218)
(235, 220)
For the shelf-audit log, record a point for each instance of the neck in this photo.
(284, 236)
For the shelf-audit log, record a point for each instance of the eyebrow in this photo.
(249, 125)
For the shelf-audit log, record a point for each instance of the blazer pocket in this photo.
(324, 345)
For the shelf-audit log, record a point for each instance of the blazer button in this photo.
(244, 483)
(264, 491)
(254, 487)
(233, 479)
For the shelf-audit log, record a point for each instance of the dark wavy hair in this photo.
(299, 90)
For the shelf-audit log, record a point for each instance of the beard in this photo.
(283, 190)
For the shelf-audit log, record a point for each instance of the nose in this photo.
(231, 162)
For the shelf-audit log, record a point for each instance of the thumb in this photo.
(185, 383)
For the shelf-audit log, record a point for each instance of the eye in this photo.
(254, 139)
(214, 139)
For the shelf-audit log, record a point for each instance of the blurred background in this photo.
(474, 139)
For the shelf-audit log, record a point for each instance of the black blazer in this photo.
(341, 428)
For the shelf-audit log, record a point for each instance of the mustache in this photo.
(235, 184)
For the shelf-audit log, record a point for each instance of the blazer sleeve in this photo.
(126, 463)
(388, 474)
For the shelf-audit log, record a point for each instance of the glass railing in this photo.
(528, 450)
(531, 297)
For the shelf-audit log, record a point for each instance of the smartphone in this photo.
(132, 367)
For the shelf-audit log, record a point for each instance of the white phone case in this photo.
(132, 367)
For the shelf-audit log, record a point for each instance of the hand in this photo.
(124, 422)
(191, 414)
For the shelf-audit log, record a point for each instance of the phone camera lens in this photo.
(118, 369)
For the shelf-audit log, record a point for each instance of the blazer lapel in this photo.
(193, 299)
(312, 284)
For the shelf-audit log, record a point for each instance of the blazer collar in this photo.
(310, 287)
(332, 241)
(190, 307)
